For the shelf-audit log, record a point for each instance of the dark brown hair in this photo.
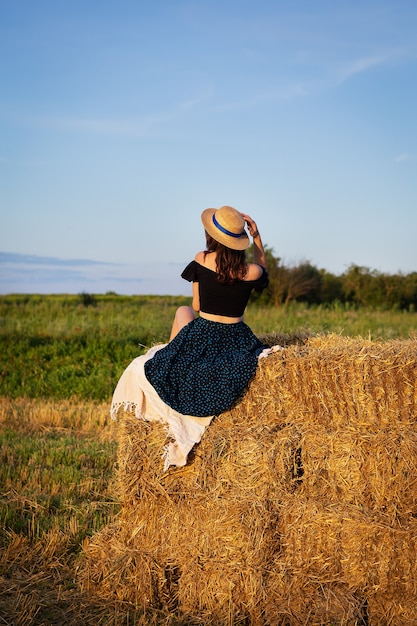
(230, 264)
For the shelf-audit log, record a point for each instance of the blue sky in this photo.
(121, 121)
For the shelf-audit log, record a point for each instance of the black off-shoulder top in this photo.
(221, 299)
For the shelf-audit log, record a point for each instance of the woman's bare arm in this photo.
(196, 298)
(259, 256)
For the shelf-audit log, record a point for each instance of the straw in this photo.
(299, 506)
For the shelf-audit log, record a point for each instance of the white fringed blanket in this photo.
(134, 393)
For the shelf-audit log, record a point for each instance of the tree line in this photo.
(357, 286)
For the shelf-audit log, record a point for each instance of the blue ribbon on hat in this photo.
(224, 230)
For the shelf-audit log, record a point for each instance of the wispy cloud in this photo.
(198, 100)
(358, 66)
(327, 75)
(145, 125)
(284, 92)
(302, 71)
(31, 259)
(23, 273)
(404, 156)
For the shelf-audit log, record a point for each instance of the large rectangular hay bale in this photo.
(298, 506)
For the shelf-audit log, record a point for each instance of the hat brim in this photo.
(235, 243)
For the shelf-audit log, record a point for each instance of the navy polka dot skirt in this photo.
(205, 368)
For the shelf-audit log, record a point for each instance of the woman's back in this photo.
(209, 260)
(217, 300)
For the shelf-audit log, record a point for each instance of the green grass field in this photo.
(58, 347)
(61, 357)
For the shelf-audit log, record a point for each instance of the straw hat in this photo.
(227, 226)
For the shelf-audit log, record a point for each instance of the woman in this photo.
(210, 359)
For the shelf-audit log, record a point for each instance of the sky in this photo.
(121, 121)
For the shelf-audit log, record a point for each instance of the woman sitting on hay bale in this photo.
(210, 359)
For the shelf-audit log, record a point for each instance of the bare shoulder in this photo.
(254, 271)
(199, 257)
(208, 259)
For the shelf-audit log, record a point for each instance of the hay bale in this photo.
(299, 506)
